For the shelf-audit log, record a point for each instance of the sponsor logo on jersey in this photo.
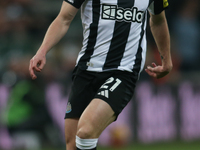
(113, 12)
(69, 108)
(165, 3)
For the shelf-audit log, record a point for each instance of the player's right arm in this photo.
(160, 31)
(55, 32)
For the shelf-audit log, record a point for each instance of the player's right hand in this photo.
(36, 64)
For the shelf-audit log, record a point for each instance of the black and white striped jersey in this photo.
(114, 33)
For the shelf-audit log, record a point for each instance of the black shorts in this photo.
(114, 87)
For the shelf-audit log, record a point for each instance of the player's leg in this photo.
(80, 96)
(70, 133)
(96, 117)
(107, 104)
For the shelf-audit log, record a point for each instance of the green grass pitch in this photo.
(178, 145)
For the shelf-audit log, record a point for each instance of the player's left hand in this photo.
(157, 71)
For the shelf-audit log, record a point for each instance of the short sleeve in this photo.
(157, 6)
(75, 3)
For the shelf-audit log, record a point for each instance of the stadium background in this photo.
(164, 114)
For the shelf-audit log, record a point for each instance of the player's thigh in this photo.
(81, 94)
(70, 131)
(96, 117)
(117, 90)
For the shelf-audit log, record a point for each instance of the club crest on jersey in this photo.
(69, 108)
(113, 12)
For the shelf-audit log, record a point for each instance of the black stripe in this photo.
(119, 40)
(138, 60)
(92, 36)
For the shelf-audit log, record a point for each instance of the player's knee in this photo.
(85, 133)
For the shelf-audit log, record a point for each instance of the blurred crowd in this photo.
(27, 105)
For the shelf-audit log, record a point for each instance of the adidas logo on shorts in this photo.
(104, 93)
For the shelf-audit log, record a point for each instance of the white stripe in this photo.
(86, 17)
(151, 8)
(102, 93)
(106, 93)
(128, 59)
(103, 41)
(144, 45)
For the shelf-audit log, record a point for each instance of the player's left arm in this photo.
(160, 32)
